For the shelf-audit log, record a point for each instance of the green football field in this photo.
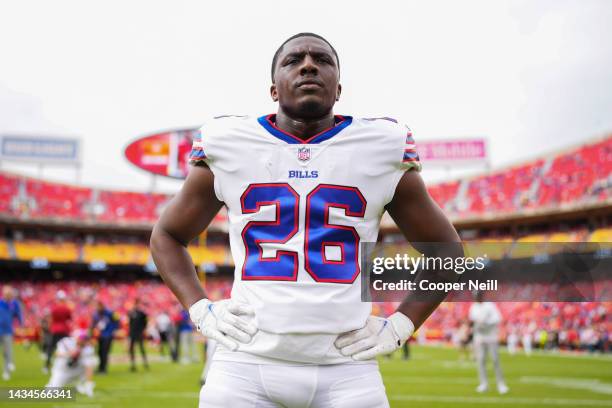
(433, 377)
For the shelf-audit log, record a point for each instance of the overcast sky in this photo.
(530, 76)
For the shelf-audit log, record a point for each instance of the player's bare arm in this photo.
(187, 215)
(421, 220)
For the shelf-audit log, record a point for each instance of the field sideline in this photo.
(434, 377)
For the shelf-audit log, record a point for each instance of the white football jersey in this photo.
(67, 346)
(486, 319)
(298, 211)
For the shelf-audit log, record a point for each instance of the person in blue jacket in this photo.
(186, 345)
(10, 310)
(106, 322)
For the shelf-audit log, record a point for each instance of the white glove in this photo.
(378, 336)
(220, 321)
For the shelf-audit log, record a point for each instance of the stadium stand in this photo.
(601, 235)
(128, 206)
(217, 255)
(582, 173)
(4, 249)
(445, 194)
(566, 325)
(9, 188)
(572, 177)
(551, 324)
(137, 252)
(56, 200)
(111, 253)
(116, 254)
(29, 250)
(503, 191)
(37, 298)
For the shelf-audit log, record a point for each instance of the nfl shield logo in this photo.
(303, 154)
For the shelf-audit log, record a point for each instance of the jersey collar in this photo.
(268, 123)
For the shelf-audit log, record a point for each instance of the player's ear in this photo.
(273, 93)
(338, 92)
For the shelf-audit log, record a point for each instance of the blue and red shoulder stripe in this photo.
(411, 159)
(197, 154)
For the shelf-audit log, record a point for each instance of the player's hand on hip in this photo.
(378, 336)
(225, 321)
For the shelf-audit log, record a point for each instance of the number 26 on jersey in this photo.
(319, 234)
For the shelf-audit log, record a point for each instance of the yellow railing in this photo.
(53, 252)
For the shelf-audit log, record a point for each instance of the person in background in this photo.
(163, 324)
(74, 363)
(10, 310)
(60, 322)
(185, 334)
(512, 340)
(604, 339)
(542, 338)
(485, 318)
(527, 338)
(105, 322)
(44, 336)
(137, 326)
(463, 339)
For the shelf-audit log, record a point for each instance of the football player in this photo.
(303, 187)
(74, 363)
(486, 318)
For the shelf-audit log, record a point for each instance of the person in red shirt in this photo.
(60, 316)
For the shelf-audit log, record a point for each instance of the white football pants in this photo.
(481, 347)
(64, 377)
(245, 385)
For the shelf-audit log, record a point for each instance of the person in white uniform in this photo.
(512, 340)
(527, 338)
(485, 318)
(74, 363)
(303, 188)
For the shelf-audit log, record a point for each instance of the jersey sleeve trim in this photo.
(197, 154)
(411, 159)
(408, 161)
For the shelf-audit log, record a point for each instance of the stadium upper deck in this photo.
(579, 177)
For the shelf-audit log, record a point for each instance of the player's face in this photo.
(306, 78)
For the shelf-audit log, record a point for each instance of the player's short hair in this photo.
(305, 34)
